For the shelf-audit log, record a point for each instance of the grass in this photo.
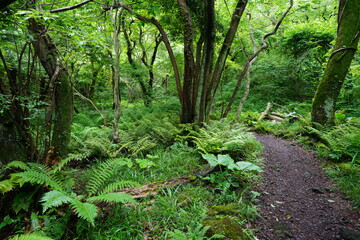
(347, 177)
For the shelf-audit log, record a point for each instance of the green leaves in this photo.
(144, 163)
(112, 197)
(6, 186)
(54, 199)
(223, 160)
(227, 161)
(32, 236)
(87, 211)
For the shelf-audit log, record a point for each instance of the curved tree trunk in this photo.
(348, 34)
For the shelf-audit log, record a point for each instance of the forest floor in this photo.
(298, 201)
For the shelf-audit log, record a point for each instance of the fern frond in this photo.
(86, 211)
(32, 236)
(38, 174)
(112, 187)
(72, 157)
(112, 197)
(103, 173)
(6, 186)
(22, 201)
(18, 164)
(53, 199)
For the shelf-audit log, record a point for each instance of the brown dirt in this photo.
(297, 200)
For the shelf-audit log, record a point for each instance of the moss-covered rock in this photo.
(226, 226)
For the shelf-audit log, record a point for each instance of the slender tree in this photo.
(115, 15)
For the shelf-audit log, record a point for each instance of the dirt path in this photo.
(297, 199)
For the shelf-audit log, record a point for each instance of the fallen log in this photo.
(153, 188)
(275, 118)
(266, 112)
(277, 114)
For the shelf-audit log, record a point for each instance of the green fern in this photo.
(221, 137)
(18, 164)
(37, 174)
(105, 172)
(6, 186)
(100, 182)
(112, 197)
(32, 236)
(70, 158)
(22, 201)
(53, 199)
(112, 187)
(86, 211)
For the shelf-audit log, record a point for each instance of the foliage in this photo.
(32, 236)
(59, 194)
(347, 177)
(340, 142)
(197, 233)
(221, 137)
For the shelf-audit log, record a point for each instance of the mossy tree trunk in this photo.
(60, 93)
(348, 33)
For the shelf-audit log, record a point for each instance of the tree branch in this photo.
(249, 61)
(165, 39)
(63, 9)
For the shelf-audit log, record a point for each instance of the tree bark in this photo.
(212, 83)
(114, 18)
(348, 34)
(63, 100)
(188, 108)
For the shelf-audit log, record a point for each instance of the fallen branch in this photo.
(89, 100)
(266, 112)
(153, 188)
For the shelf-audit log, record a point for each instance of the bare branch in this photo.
(70, 7)
(249, 61)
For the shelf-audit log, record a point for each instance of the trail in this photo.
(297, 200)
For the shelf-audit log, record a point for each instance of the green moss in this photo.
(226, 226)
(225, 210)
(224, 219)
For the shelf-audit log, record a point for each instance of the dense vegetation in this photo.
(106, 97)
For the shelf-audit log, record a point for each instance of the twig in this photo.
(91, 102)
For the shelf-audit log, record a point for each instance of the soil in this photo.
(298, 201)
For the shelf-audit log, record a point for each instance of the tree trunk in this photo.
(116, 73)
(212, 83)
(49, 57)
(188, 106)
(348, 34)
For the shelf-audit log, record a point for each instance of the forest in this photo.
(148, 119)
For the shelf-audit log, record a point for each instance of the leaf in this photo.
(212, 160)
(86, 211)
(54, 199)
(6, 186)
(22, 201)
(144, 163)
(248, 166)
(32, 236)
(113, 197)
(225, 160)
(17, 164)
(112, 187)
